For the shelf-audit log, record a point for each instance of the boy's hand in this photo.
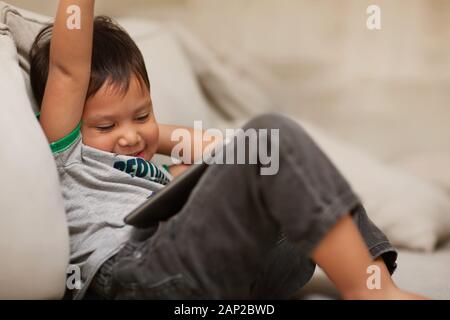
(69, 68)
(178, 169)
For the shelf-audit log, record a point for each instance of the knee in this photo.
(270, 120)
(288, 127)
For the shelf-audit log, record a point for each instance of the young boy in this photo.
(96, 112)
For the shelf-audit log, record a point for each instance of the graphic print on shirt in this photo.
(138, 167)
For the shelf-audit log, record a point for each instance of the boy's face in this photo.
(123, 124)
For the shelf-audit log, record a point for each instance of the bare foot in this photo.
(403, 295)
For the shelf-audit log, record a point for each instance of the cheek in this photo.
(152, 137)
(98, 141)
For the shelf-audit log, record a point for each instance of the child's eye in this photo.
(143, 117)
(105, 128)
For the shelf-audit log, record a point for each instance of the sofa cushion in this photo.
(34, 243)
(23, 26)
(413, 212)
(431, 166)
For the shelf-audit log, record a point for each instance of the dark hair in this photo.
(115, 57)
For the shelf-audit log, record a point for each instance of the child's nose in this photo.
(129, 138)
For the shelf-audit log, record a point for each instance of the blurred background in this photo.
(386, 91)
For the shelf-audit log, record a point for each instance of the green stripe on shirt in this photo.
(64, 143)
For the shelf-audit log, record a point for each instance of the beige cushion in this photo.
(413, 212)
(232, 91)
(34, 243)
(432, 166)
(24, 26)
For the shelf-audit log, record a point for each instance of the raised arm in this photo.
(69, 68)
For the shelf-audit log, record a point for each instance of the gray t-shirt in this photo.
(99, 189)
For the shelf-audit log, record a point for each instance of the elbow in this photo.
(58, 68)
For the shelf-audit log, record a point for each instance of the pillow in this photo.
(24, 26)
(231, 89)
(432, 166)
(34, 244)
(413, 213)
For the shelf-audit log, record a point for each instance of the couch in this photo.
(189, 83)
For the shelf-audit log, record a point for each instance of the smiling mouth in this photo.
(139, 154)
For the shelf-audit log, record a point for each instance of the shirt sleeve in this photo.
(63, 149)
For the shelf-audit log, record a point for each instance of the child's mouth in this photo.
(140, 154)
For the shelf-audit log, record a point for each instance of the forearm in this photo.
(71, 45)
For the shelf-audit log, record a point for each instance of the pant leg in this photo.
(284, 271)
(222, 237)
(287, 269)
(376, 241)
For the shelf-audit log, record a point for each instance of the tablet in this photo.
(167, 201)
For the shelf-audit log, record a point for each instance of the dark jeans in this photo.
(241, 234)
